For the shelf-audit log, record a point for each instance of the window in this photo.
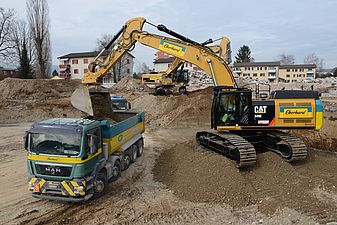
(245, 68)
(295, 70)
(75, 71)
(288, 75)
(74, 61)
(85, 70)
(265, 68)
(288, 70)
(262, 74)
(127, 61)
(254, 74)
(96, 137)
(128, 71)
(85, 61)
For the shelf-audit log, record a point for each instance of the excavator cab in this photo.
(231, 107)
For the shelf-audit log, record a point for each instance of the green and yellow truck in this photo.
(74, 159)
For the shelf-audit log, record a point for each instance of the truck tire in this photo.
(100, 185)
(140, 147)
(182, 90)
(116, 171)
(126, 159)
(134, 153)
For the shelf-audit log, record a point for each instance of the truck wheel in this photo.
(133, 153)
(116, 171)
(140, 147)
(182, 90)
(127, 159)
(100, 185)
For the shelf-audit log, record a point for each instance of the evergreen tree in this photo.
(243, 55)
(335, 72)
(25, 70)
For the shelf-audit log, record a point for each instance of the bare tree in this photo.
(6, 26)
(286, 59)
(38, 19)
(314, 59)
(102, 41)
(23, 53)
(119, 69)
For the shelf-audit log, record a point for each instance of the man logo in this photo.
(53, 170)
(260, 109)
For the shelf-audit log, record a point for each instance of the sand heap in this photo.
(32, 100)
(193, 109)
(129, 84)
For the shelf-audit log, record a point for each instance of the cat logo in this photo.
(260, 109)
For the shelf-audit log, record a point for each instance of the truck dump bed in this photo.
(128, 125)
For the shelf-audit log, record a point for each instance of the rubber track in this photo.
(298, 150)
(231, 146)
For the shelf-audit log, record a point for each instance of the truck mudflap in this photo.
(74, 190)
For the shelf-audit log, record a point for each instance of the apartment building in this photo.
(74, 65)
(296, 73)
(274, 72)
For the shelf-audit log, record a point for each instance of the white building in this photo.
(162, 64)
(74, 65)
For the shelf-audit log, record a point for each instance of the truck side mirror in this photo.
(26, 140)
(92, 143)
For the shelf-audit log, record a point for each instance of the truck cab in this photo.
(73, 159)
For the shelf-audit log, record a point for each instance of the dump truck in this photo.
(74, 159)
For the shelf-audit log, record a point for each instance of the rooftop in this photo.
(165, 60)
(275, 63)
(311, 66)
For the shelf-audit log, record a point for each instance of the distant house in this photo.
(4, 73)
(163, 61)
(74, 65)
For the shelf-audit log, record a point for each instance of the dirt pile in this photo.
(188, 110)
(129, 84)
(31, 100)
(199, 175)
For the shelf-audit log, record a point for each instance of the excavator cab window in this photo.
(231, 108)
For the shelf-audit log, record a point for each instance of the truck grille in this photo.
(53, 170)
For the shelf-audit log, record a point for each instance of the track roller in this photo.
(231, 145)
(289, 147)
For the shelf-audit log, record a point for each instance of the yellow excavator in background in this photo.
(176, 78)
(244, 125)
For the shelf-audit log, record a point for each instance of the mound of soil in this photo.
(31, 100)
(129, 84)
(198, 175)
(188, 110)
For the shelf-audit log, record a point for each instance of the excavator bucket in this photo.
(81, 100)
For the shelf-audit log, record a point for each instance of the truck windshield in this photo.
(55, 143)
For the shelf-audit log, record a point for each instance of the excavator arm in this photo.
(198, 55)
(182, 48)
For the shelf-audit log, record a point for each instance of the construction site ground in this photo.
(175, 181)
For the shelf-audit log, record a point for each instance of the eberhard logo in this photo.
(171, 48)
(295, 112)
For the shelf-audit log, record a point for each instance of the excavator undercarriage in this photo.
(242, 147)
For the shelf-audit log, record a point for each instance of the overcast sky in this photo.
(268, 27)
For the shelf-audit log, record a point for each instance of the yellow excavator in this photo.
(176, 78)
(243, 125)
